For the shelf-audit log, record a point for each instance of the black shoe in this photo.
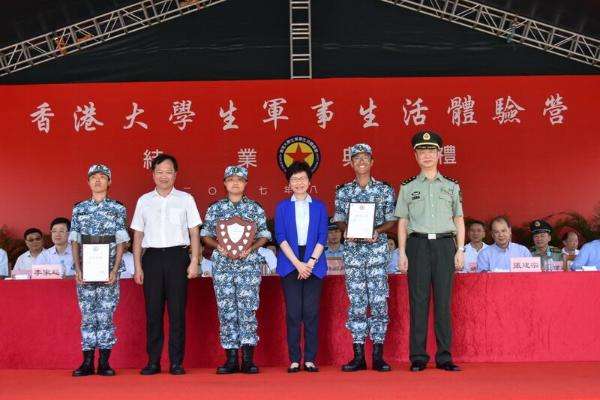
(311, 368)
(104, 368)
(87, 367)
(448, 366)
(417, 366)
(248, 366)
(177, 369)
(379, 363)
(358, 362)
(231, 363)
(151, 369)
(293, 368)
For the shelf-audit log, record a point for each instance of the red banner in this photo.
(525, 146)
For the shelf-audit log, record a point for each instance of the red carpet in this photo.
(477, 381)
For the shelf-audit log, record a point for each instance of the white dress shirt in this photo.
(3, 263)
(24, 262)
(302, 218)
(471, 254)
(165, 220)
(52, 257)
(270, 258)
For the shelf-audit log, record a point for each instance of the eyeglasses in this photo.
(295, 179)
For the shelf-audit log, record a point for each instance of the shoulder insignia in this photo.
(384, 183)
(451, 179)
(78, 203)
(338, 187)
(409, 180)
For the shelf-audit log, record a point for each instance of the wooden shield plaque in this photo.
(235, 235)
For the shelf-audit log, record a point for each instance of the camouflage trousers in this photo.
(367, 287)
(97, 303)
(237, 292)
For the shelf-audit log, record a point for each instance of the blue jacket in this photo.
(285, 230)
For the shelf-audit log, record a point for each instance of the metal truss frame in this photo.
(95, 31)
(512, 27)
(300, 40)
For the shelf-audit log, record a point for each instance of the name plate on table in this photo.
(589, 268)
(235, 235)
(96, 262)
(525, 264)
(361, 221)
(55, 271)
(335, 266)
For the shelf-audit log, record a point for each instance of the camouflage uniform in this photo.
(97, 301)
(236, 282)
(366, 263)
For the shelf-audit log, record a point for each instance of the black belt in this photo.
(98, 239)
(432, 236)
(163, 249)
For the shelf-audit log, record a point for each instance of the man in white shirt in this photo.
(35, 245)
(165, 223)
(3, 264)
(476, 234)
(61, 253)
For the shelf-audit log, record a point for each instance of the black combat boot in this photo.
(358, 362)
(231, 362)
(87, 367)
(104, 368)
(248, 366)
(379, 363)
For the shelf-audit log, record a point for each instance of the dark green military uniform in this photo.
(430, 206)
(551, 258)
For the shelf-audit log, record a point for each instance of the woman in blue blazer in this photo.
(301, 232)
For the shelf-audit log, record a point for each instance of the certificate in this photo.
(95, 263)
(361, 221)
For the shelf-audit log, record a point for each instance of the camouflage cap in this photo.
(99, 168)
(234, 170)
(360, 148)
(539, 226)
(426, 139)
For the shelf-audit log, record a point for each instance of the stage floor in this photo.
(477, 381)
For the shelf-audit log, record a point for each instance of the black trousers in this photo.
(430, 264)
(165, 280)
(302, 300)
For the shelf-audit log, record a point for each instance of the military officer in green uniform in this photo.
(431, 234)
(551, 257)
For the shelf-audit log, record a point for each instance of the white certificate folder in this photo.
(361, 221)
(95, 264)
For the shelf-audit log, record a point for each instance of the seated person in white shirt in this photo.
(270, 259)
(35, 244)
(3, 264)
(497, 256)
(571, 242)
(476, 233)
(127, 266)
(61, 253)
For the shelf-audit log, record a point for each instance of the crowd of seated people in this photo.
(479, 255)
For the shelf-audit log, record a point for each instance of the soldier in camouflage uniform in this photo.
(236, 280)
(551, 257)
(366, 260)
(98, 220)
